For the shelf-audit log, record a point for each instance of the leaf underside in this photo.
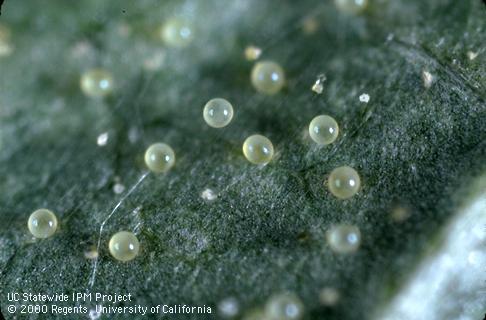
(414, 147)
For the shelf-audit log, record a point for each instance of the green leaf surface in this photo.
(415, 148)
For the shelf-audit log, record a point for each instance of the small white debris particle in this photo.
(137, 210)
(390, 37)
(318, 86)
(102, 139)
(428, 79)
(365, 98)
(91, 253)
(118, 188)
(209, 195)
(252, 53)
(441, 42)
(228, 308)
(472, 55)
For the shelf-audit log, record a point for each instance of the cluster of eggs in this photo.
(123, 246)
(267, 77)
(343, 181)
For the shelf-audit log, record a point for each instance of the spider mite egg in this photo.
(218, 113)
(42, 223)
(176, 33)
(159, 157)
(267, 77)
(344, 182)
(97, 83)
(284, 306)
(124, 246)
(258, 149)
(323, 129)
(351, 6)
(343, 238)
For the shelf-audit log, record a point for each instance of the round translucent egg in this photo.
(284, 306)
(97, 83)
(42, 223)
(159, 157)
(124, 246)
(177, 33)
(323, 129)
(258, 149)
(218, 113)
(344, 182)
(343, 238)
(267, 77)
